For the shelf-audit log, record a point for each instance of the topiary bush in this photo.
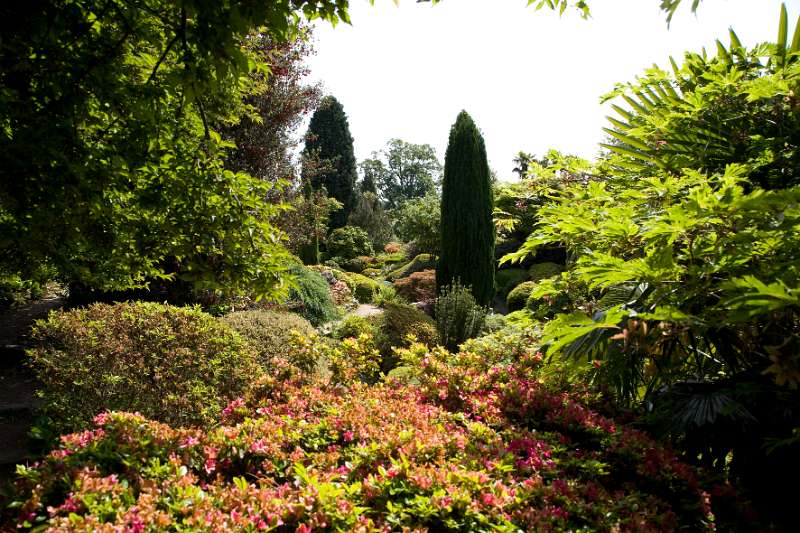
(311, 296)
(541, 271)
(269, 332)
(458, 316)
(176, 365)
(418, 287)
(419, 263)
(507, 279)
(349, 242)
(518, 296)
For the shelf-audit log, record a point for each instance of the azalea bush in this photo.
(268, 332)
(175, 365)
(478, 446)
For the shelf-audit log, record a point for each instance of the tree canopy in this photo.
(402, 171)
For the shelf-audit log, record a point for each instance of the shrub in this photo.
(176, 365)
(395, 324)
(363, 288)
(393, 247)
(419, 263)
(493, 323)
(311, 297)
(418, 222)
(353, 326)
(372, 272)
(349, 242)
(518, 296)
(458, 316)
(541, 271)
(507, 279)
(269, 332)
(546, 301)
(419, 286)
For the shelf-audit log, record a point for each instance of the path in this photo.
(366, 310)
(18, 386)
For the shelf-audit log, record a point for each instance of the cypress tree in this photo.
(467, 229)
(329, 139)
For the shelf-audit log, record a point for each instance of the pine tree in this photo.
(329, 139)
(368, 184)
(467, 234)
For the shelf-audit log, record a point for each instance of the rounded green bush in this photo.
(541, 271)
(418, 264)
(395, 324)
(353, 326)
(268, 332)
(507, 279)
(349, 242)
(364, 288)
(172, 364)
(519, 295)
(311, 297)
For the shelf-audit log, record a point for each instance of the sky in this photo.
(530, 79)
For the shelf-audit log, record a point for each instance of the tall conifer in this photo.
(329, 138)
(467, 234)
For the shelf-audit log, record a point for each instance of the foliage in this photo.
(394, 326)
(176, 365)
(494, 322)
(418, 264)
(467, 234)
(519, 295)
(370, 216)
(364, 288)
(738, 107)
(508, 278)
(393, 248)
(268, 332)
(418, 287)
(403, 171)
(540, 271)
(458, 316)
(306, 224)
(349, 242)
(550, 297)
(311, 297)
(112, 164)
(418, 222)
(329, 139)
(353, 326)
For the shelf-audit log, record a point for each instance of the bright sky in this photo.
(530, 80)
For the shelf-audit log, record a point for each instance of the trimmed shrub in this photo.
(467, 234)
(541, 271)
(311, 297)
(176, 365)
(349, 242)
(507, 279)
(395, 324)
(372, 272)
(418, 287)
(519, 295)
(458, 316)
(419, 263)
(364, 288)
(268, 332)
(353, 326)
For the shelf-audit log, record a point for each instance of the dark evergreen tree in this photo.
(329, 139)
(467, 235)
(368, 184)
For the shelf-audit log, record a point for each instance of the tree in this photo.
(329, 139)
(419, 222)
(402, 171)
(368, 185)
(467, 235)
(111, 165)
(370, 216)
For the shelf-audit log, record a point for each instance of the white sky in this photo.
(530, 80)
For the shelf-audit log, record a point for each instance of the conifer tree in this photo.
(467, 230)
(329, 139)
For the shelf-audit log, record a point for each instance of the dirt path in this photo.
(366, 310)
(18, 386)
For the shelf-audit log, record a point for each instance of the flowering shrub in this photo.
(177, 365)
(306, 457)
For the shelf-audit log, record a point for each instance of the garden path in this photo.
(18, 386)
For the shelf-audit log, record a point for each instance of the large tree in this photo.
(467, 236)
(329, 139)
(111, 165)
(402, 171)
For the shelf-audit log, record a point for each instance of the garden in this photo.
(247, 340)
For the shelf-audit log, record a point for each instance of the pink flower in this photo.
(302, 528)
(487, 498)
(348, 436)
(259, 446)
(189, 441)
(101, 419)
(211, 465)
